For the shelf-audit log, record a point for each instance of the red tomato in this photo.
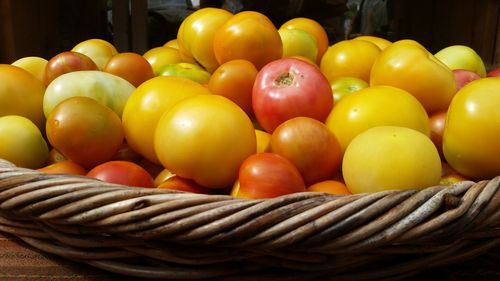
(288, 88)
(122, 172)
(183, 184)
(66, 62)
(130, 66)
(267, 175)
(234, 80)
(248, 35)
(310, 146)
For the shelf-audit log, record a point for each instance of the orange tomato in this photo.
(353, 58)
(313, 28)
(64, 167)
(248, 35)
(330, 186)
(234, 80)
(130, 66)
(122, 172)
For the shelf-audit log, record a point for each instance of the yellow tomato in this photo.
(376, 106)
(390, 157)
(408, 65)
(172, 43)
(462, 57)
(380, 42)
(353, 58)
(313, 28)
(34, 65)
(263, 140)
(159, 57)
(146, 105)
(205, 138)
(248, 35)
(100, 51)
(21, 93)
(22, 143)
(472, 129)
(297, 42)
(196, 35)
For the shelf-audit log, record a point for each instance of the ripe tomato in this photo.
(84, 131)
(205, 138)
(122, 172)
(148, 103)
(21, 93)
(437, 123)
(21, 142)
(234, 80)
(34, 65)
(376, 106)
(64, 167)
(380, 42)
(470, 139)
(313, 28)
(130, 66)
(390, 157)
(248, 35)
(177, 183)
(310, 146)
(196, 35)
(353, 58)
(298, 43)
(267, 175)
(100, 51)
(330, 186)
(160, 56)
(66, 62)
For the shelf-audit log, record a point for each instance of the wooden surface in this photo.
(20, 262)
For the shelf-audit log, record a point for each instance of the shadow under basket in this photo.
(163, 234)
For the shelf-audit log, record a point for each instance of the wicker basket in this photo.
(170, 235)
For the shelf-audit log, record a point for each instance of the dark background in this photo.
(47, 27)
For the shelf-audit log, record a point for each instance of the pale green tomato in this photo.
(106, 88)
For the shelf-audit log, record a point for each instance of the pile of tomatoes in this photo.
(236, 105)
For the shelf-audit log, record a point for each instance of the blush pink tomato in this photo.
(310, 146)
(288, 88)
(66, 62)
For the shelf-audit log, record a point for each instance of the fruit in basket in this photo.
(99, 50)
(160, 56)
(462, 77)
(32, 64)
(345, 85)
(437, 121)
(147, 104)
(130, 66)
(196, 33)
(85, 131)
(470, 139)
(267, 175)
(390, 157)
(288, 88)
(66, 62)
(315, 29)
(234, 80)
(310, 146)
(187, 70)
(353, 58)
(462, 57)
(408, 65)
(330, 186)
(21, 93)
(122, 172)
(263, 140)
(182, 184)
(298, 42)
(376, 106)
(248, 35)
(205, 138)
(380, 42)
(64, 167)
(21, 142)
(106, 88)
(494, 73)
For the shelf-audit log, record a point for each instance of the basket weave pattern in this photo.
(304, 236)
